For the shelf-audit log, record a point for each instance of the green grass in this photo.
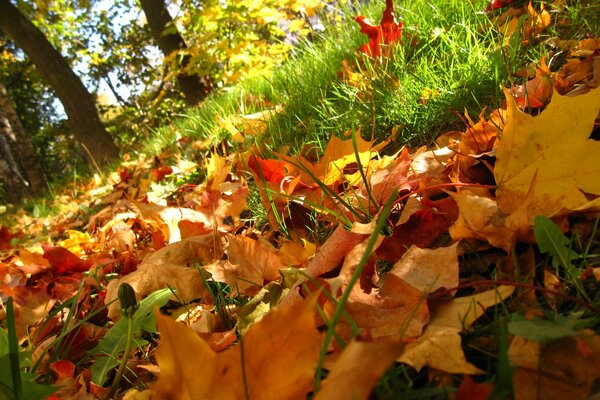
(447, 49)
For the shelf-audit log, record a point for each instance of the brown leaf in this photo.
(168, 267)
(429, 270)
(440, 345)
(251, 264)
(563, 369)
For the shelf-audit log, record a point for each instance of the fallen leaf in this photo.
(471, 390)
(556, 370)
(555, 145)
(357, 370)
(6, 238)
(63, 261)
(429, 269)
(275, 359)
(440, 345)
(170, 266)
(496, 4)
(251, 264)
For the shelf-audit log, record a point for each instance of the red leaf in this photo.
(496, 4)
(63, 370)
(272, 170)
(6, 237)
(470, 390)
(161, 172)
(422, 228)
(63, 261)
(389, 31)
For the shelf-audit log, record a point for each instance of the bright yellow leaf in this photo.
(556, 145)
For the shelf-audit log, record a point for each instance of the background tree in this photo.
(20, 141)
(170, 42)
(15, 186)
(79, 104)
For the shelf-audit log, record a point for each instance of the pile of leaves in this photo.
(468, 267)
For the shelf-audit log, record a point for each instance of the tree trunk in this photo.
(20, 142)
(194, 87)
(9, 171)
(79, 104)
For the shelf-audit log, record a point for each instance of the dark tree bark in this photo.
(20, 142)
(9, 172)
(79, 104)
(194, 87)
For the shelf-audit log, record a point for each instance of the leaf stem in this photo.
(123, 365)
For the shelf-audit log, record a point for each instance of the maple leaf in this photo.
(420, 227)
(63, 261)
(391, 308)
(470, 390)
(251, 263)
(357, 370)
(333, 251)
(428, 270)
(275, 359)
(536, 92)
(480, 217)
(388, 32)
(440, 345)
(168, 267)
(528, 28)
(162, 171)
(563, 369)
(555, 145)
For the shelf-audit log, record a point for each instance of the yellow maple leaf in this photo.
(556, 144)
(275, 359)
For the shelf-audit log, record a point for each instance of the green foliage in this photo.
(549, 329)
(12, 367)
(113, 343)
(552, 241)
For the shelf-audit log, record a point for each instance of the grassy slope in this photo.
(451, 50)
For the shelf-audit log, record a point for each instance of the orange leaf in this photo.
(358, 369)
(251, 264)
(471, 390)
(275, 359)
(161, 172)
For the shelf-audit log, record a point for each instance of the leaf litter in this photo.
(242, 312)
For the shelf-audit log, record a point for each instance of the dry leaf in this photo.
(440, 345)
(555, 145)
(280, 354)
(358, 369)
(563, 369)
(429, 270)
(168, 267)
(251, 264)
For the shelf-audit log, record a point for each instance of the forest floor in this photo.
(413, 217)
